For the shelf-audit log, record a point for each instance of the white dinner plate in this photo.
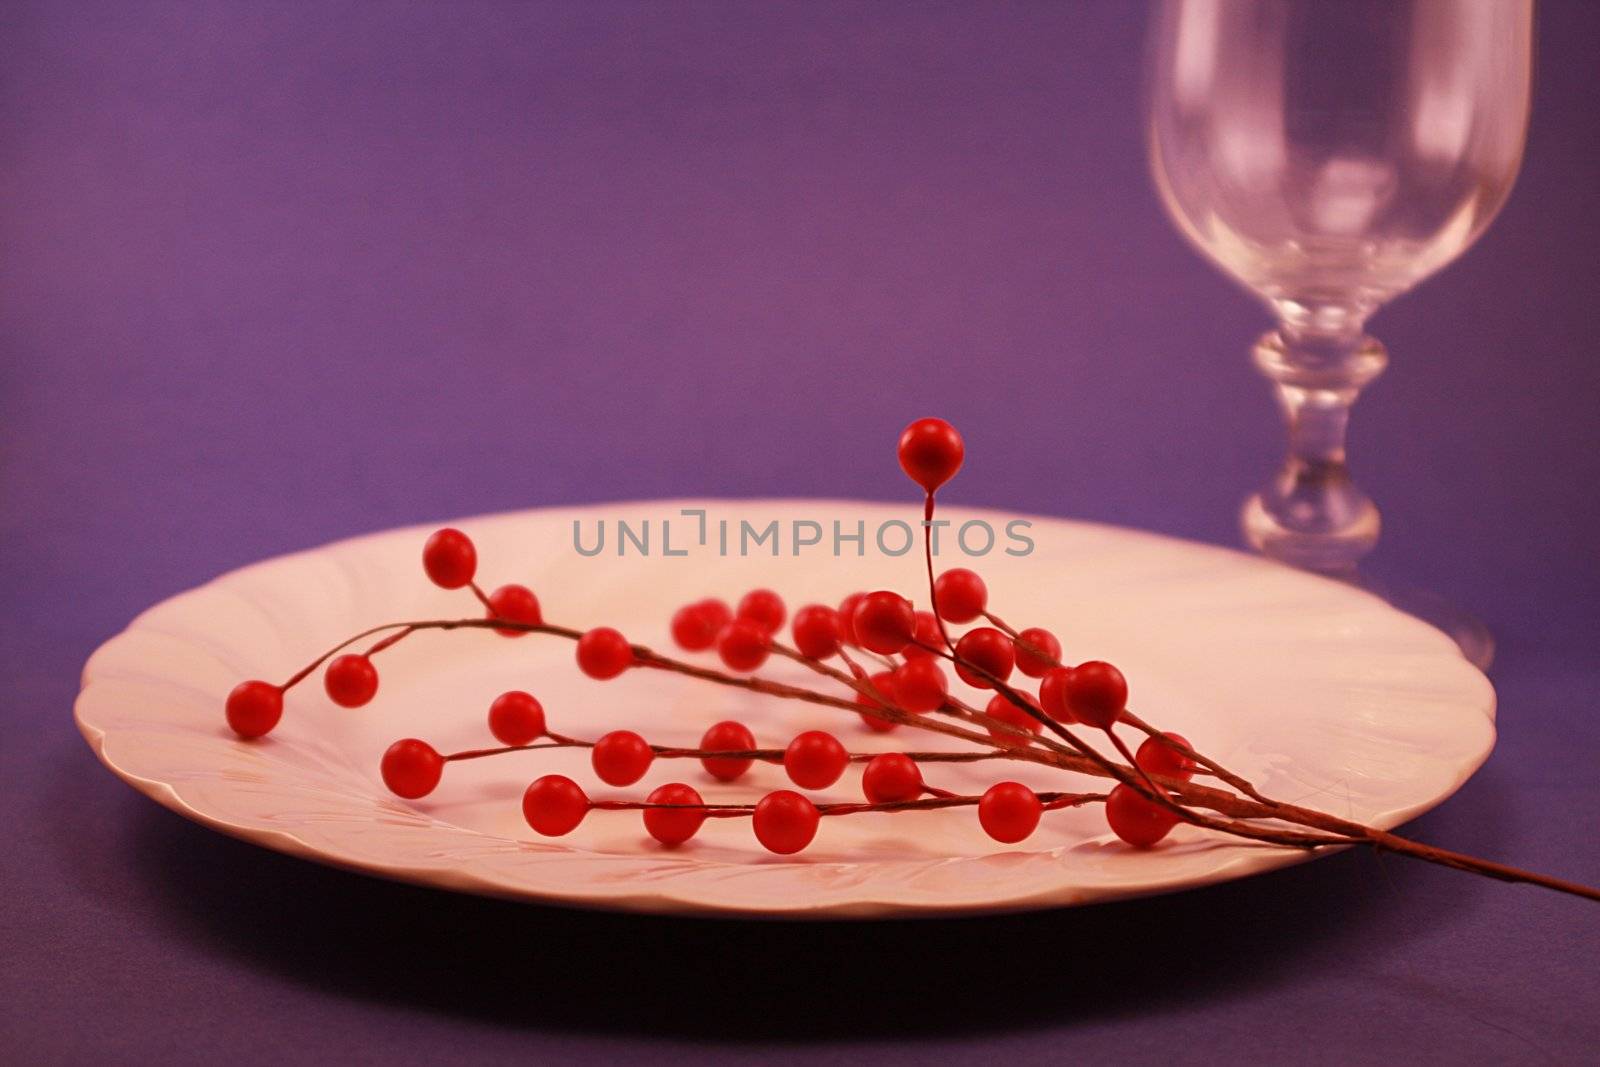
(1319, 692)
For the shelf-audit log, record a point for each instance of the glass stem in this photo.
(1312, 515)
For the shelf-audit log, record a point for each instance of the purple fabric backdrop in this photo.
(272, 274)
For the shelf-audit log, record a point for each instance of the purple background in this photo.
(272, 274)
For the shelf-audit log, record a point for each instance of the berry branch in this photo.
(754, 755)
(1154, 788)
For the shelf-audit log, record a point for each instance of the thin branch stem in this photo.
(760, 755)
(1050, 801)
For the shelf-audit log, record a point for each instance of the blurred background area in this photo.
(274, 274)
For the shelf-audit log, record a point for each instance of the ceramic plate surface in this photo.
(1320, 693)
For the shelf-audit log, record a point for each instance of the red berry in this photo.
(884, 622)
(926, 637)
(554, 805)
(254, 708)
(816, 631)
(727, 737)
(673, 826)
(604, 653)
(411, 768)
(1096, 692)
(891, 777)
(1053, 694)
(1155, 757)
(1037, 651)
(743, 645)
(883, 682)
(785, 822)
(1138, 821)
(815, 760)
(987, 649)
(960, 595)
(847, 614)
(931, 452)
(516, 718)
(449, 558)
(695, 626)
(1009, 812)
(514, 603)
(717, 611)
(764, 608)
(919, 685)
(1000, 707)
(351, 680)
(621, 757)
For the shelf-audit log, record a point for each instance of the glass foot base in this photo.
(1335, 555)
(1465, 629)
(1330, 545)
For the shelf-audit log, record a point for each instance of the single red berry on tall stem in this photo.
(764, 608)
(554, 805)
(884, 683)
(884, 622)
(695, 627)
(1037, 651)
(816, 631)
(516, 718)
(1009, 812)
(1138, 821)
(1157, 757)
(621, 757)
(411, 768)
(673, 826)
(449, 558)
(960, 595)
(931, 452)
(254, 708)
(920, 685)
(785, 822)
(743, 646)
(986, 649)
(514, 603)
(891, 777)
(815, 760)
(926, 637)
(604, 653)
(727, 737)
(1000, 707)
(1097, 694)
(351, 680)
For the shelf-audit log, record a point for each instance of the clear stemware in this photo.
(1329, 155)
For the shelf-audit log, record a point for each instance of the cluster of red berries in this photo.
(1092, 694)
(908, 642)
(888, 624)
(784, 821)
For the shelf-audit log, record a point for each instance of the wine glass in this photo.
(1329, 155)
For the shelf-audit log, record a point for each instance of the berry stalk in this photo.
(758, 755)
(1048, 801)
(1154, 790)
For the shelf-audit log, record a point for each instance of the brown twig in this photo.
(760, 755)
(1050, 802)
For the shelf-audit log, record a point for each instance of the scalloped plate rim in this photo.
(654, 899)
